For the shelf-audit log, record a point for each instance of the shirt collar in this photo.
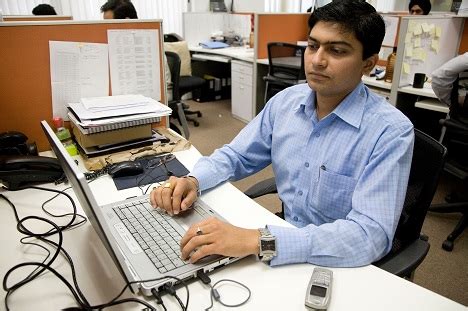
(349, 110)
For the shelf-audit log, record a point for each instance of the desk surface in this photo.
(279, 288)
(240, 53)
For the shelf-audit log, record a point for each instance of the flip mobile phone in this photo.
(319, 289)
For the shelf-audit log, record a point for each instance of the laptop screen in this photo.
(81, 189)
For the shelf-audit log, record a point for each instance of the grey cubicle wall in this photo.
(428, 50)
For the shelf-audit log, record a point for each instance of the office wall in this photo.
(250, 6)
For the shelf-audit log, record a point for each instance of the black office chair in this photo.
(285, 67)
(186, 84)
(455, 138)
(409, 247)
(173, 61)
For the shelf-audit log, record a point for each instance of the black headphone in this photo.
(15, 143)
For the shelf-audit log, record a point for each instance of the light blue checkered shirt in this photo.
(342, 179)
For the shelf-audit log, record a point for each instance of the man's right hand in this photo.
(175, 195)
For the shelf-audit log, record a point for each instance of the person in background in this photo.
(44, 9)
(419, 7)
(444, 77)
(340, 153)
(119, 9)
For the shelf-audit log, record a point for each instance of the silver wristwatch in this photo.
(267, 245)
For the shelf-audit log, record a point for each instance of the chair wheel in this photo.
(196, 123)
(447, 245)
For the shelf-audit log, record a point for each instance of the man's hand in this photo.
(176, 195)
(214, 237)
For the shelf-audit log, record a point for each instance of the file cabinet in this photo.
(242, 107)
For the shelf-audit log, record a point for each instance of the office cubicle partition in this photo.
(36, 18)
(25, 84)
(288, 28)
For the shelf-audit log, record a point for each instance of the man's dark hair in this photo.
(354, 16)
(44, 9)
(122, 9)
(425, 5)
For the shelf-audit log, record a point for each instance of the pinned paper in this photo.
(435, 45)
(417, 42)
(438, 31)
(409, 51)
(417, 30)
(406, 68)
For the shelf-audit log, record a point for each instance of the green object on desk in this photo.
(63, 134)
(71, 149)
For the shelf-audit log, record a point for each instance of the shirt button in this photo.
(300, 192)
(306, 164)
(295, 218)
(317, 135)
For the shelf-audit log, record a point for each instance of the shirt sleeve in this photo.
(248, 153)
(366, 234)
(444, 77)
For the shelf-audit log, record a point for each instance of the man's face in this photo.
(108, 14)
(416, 10)
(333, 60)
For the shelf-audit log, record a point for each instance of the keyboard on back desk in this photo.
(154, 232)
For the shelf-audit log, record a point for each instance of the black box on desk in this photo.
(210, 91)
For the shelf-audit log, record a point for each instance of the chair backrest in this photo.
(426, 166)
(459, 111)
(286, 61)
(172, 37)
(173, 61)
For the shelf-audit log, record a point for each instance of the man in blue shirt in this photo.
(341, 156)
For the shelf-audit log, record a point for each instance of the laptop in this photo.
(142, 241)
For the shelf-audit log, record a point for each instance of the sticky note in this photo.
(406, 68)
(417, 30)
(409, 51)
(435, 45)
(417, 42)
(438, 31)
(408, 37)
(425, 27)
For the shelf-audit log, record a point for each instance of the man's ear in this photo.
(370, 63)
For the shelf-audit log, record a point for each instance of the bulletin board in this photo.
(427, 43)
(25, 86)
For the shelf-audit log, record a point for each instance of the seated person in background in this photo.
(419, 7)
(444, 77)
(340, 153)
(119, 9)
(44, 9)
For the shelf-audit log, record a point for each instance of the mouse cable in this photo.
(171, 290)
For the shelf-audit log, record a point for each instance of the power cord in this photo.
(214, 293)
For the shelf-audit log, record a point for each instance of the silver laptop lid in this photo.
(86, 198)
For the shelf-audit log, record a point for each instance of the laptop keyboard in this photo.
(154, 232)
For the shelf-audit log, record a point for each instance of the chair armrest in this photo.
(404, 262)
(263, 187)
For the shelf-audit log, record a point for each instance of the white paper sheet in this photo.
(134, 58)
(77, 70)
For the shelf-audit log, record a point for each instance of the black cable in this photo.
(171, 290)
(43, 266)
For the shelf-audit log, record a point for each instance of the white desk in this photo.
(279, 288)
(239, 53)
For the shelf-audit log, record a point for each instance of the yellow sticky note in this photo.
(417, 30)
(417, 42)
(406, 68)
(418, 54)
(409, 51)
(411, 26)
(425, 27)
(438, 31)
(435, 45)
(408, 37)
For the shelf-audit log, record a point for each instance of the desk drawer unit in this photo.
(241, 90)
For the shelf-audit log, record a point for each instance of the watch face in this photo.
(268, 245)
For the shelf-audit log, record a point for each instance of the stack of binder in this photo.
(102, 125)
